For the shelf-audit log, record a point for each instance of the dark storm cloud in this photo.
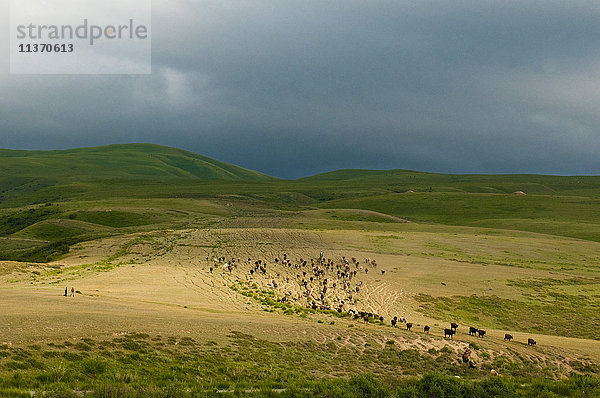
(298, 87)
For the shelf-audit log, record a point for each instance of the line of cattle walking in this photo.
(450, 332)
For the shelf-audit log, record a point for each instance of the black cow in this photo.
(530, 341)
(454, 326)
(472, 331)
(408, 326)
(481, 333)
(508, 337)
(426, 329)
(449, 333)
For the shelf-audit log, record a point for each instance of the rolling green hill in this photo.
(128, 161)
(129, 170)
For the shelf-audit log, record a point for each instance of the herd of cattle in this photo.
(318, 283)
(476, 332)
(326, 284)
(450, 332)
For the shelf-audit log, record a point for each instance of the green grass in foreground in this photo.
(431, 385)
(141, 365)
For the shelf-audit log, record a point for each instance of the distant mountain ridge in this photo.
(474, 183)
(129, 161)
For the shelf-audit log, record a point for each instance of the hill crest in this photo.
(134, 161)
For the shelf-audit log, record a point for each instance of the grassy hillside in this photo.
(563, 215)
(129, 161)
(52, 199)
(131, 170)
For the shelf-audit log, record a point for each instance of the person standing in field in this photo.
(72, 292)
(65, 292)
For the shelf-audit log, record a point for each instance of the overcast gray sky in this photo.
(297, 87)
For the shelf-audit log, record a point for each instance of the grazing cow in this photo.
(466, 356)
(380, 319)
(472, 364)
(454, 326)
(481, 333)
(449, 333)
(530, 341)
(508, 337)
(426, 329)
(382, 272)
(394, 322)
(472, 331)
(408, 326)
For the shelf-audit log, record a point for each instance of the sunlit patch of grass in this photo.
(555, 313)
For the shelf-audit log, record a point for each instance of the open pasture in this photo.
(186, 286)
(158, 284)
